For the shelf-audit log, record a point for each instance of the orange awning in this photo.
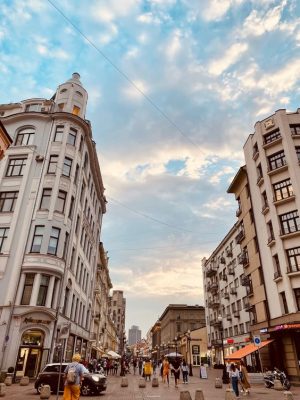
(250, 348)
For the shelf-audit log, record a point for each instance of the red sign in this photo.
(230, 341)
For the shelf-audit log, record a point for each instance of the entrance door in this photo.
(30, 354)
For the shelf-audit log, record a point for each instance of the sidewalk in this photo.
(163, 392)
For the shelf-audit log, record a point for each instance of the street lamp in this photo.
(175, 339)
(225, 378)
(188, 336)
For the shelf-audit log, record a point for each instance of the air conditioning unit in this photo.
(39, 158)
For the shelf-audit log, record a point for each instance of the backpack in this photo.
(71, 375)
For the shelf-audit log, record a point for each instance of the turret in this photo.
(71, 97)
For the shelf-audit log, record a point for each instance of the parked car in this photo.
(91, 384)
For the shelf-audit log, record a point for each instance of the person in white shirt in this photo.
(234, 375)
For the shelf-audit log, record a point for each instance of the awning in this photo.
(250, 348)
(113, 354)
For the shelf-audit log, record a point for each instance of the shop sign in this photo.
(195, 349)
(287, 326)
(263, 330)
(36, 321)
(230, 341)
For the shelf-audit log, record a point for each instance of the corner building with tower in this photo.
(51, 207)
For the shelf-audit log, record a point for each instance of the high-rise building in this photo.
(51, 207)
(117, 310)
(134, 335)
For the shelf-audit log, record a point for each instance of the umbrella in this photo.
(113, 354)
(174, 355)
(104, 355)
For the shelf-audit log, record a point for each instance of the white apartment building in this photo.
(226, 302)
(272, 156)
(51, 207)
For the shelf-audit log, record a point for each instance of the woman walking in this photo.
(166, 369)
(244, 377)
(185, 371)
(234, 375)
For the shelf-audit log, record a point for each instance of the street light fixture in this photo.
(175, 339)
(225, 377)
(188, 336)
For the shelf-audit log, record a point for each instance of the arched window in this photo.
(86, 160)
(25, 137)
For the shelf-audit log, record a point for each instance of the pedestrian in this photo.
(147, 369)
(166, 370)
(134, 363)
(234, 376)
(107, 367)
(244, 377)
(94, 364)
(116, 366)
(176, 370)
(73, 376)
(185, 371)
(140, 366)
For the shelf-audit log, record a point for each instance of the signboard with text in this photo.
(195, 349)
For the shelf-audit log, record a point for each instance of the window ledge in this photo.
(293, 273)
(283, 201)
(265, 210)
(279, 169)
(289, 235)
(270, 144)
(271, 242)
(255, 155)
(278, 279)
(260, 181)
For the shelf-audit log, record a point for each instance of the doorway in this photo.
(30, 354)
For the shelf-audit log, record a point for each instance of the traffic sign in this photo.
(256, 340)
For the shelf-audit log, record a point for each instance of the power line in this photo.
(125, 76)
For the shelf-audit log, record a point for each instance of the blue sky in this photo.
(213, 67)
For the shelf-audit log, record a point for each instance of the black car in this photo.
(91, 384)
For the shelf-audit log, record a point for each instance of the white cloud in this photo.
(215, 179)
(148, 18)
(113, 9)
(133, 93)
(218, 204)
(231, 56)
(52, 53)
(214, 10)
(174, 45)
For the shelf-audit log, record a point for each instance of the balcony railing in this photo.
(248, 306)
(236, 314)
(245, 281)
(216, 342)
(240, 236)
(215, 322)
(229, 253)
(277, 274)
(222, 260)
(243, 258)
(233, 290)
(214, 303)
(211, 271)
(231, 270)
(212, 287)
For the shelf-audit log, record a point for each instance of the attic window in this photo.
(79, 93)
(63, 90)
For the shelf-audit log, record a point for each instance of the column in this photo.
(20, 289)
(50, 292)
(35, 290)
(55, 294)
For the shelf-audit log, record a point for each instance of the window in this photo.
(72, 136)
(8, 201)
(61, 201)
(16, 166)
(71, 209)
(293, 256)
(28, 285)
(43, 290)
(283, 190)
(72, 308)
(76, 174)
(76, 110)
(276, 160)
(236, 330)
(295, 129)
(270, 232)
(53, 242)
(82, 192)
(261, 276)
(66, 243)
(67, 167)
(77, 224)
(72, 259)
(59, 132)
(255, 149)
(86, 160)
(45, 200)
(289, 222)
(284, 305)
(32, 107)
(3, 237)
(81, 144)
(271, 136)
(298, 152)
(37, 239)
(259, 172)
(52, 164)
(297, 298)
(66, 301)
(276, 264)
(25, 137)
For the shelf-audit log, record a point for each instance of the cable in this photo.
(125, 76)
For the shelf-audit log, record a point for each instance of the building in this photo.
(226, 297)
(134, 335)
(194, 346)
(51, 208)
(5, 140)
(272, 155)
(117, 311)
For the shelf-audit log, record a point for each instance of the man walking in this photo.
(73, 377)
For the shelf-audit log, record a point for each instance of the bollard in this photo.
(24, 381)
(142, 383)
(277, 385)
(288, 395)
(199, 394)
(8, 381)
(218, 383)
(155, 382)
(45, 392)
(2, 389)
(124, 381)
(229, 395)
(185, 395)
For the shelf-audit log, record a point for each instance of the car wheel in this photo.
(86, 389)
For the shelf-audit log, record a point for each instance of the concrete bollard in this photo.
(124, 381)
(2, 389)
(288, 395)
(24, 381)
(45, 392)
(199, 394)
(229, 395)
(218, 383)
(155, 382)
(142, 383)
(277, 385)
(8, 381)
(185, 395)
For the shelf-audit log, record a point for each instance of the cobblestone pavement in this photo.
(163, 392)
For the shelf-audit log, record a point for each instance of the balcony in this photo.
(214, 303)
(236, 314)
(212, 287)
(247, 306)
(222, 260)
(245, 281)
(215, 322)
(277, 275)
(229, 253)
(271, 240)
(231, 270)
(226, 295)
(233, 291)
(211, 271)
(265, 208)
(229, 317)
(243, 258)
(240, 236)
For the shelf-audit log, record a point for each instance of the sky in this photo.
(175, 88)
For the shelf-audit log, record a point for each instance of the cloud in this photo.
(230, 57)
(214, 10)
(52, 53)
(113, 9)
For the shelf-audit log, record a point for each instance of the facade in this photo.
(117, 311)
(134, 335)
(272, 155)
(51, 208)
(226, 297)
(5, 140)
(194, 346)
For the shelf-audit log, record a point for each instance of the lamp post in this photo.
(225, 378)
(175, 340)
(188, 336)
